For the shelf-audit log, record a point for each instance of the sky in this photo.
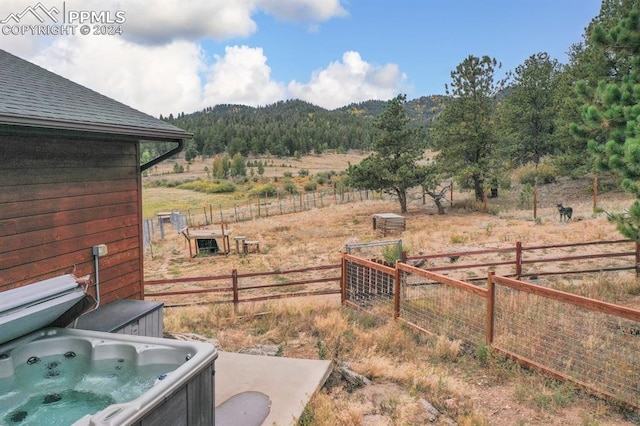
(173, 56)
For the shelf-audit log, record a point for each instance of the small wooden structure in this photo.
(164, 217)
(243, 246)
(205, 240)
(386, 223)
(249, 244)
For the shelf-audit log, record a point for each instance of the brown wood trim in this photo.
(442, 279)
(574, 299)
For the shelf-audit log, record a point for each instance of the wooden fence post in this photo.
(637, 246)
(595, 192)
(451, 195)
(234, 285)
(396, 296)
(490, 307)
(535, 201)
(343, 281)
(518, 260)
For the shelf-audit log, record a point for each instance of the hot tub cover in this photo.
(29, 308)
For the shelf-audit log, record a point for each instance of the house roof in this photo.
(34, 97)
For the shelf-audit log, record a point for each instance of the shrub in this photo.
(310, 186)
(208, 187)
(526, 196)
(290, 187)
(544, 173)
(264, 191)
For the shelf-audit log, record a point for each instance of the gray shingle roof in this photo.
(32, 96)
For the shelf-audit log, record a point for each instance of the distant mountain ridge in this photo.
(421, 111)
(292, 127)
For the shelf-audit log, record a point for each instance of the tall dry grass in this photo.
(405, 366)
(473, 387)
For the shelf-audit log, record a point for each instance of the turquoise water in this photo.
(60, 389)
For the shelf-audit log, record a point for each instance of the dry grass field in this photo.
(406, 368)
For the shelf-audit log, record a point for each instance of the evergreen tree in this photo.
(528, 113)
(238, 167)
(464, 133)
(190, 151)
(615, 107)
(393, 167)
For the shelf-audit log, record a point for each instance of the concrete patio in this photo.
(254, 390)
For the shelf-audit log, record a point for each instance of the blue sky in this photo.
(426, 38)
(183, 55)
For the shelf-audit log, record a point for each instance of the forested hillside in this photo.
(292, 127)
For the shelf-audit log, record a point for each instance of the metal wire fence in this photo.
(589, 342)
(586, 341)
(441, 305)
(155, 229)
(266, 206)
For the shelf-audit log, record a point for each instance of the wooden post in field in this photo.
(518, 260)
(234, 286)
(490, 307)
(451, 194)
(595, 192)
(637, 247)
(535, 200)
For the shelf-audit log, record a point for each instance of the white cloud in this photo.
(158, 66)
(352, 80)
(156, 80)
(303, 11)
(241, 76)
(160, 21)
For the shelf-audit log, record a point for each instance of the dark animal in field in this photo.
(565, 212)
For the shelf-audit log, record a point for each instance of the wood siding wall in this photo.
(59, 197)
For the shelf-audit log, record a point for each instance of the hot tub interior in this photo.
(60, 376)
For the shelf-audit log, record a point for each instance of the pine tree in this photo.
(393, 167)
(464, 133)
(529, 111)
(615, 108)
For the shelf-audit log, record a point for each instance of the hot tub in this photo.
(61, 376)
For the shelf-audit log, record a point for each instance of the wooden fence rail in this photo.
(589, 342)
(232, 285)
(519, 259)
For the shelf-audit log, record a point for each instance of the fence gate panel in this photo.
(589, 342)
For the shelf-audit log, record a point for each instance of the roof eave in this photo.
(138, 132)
